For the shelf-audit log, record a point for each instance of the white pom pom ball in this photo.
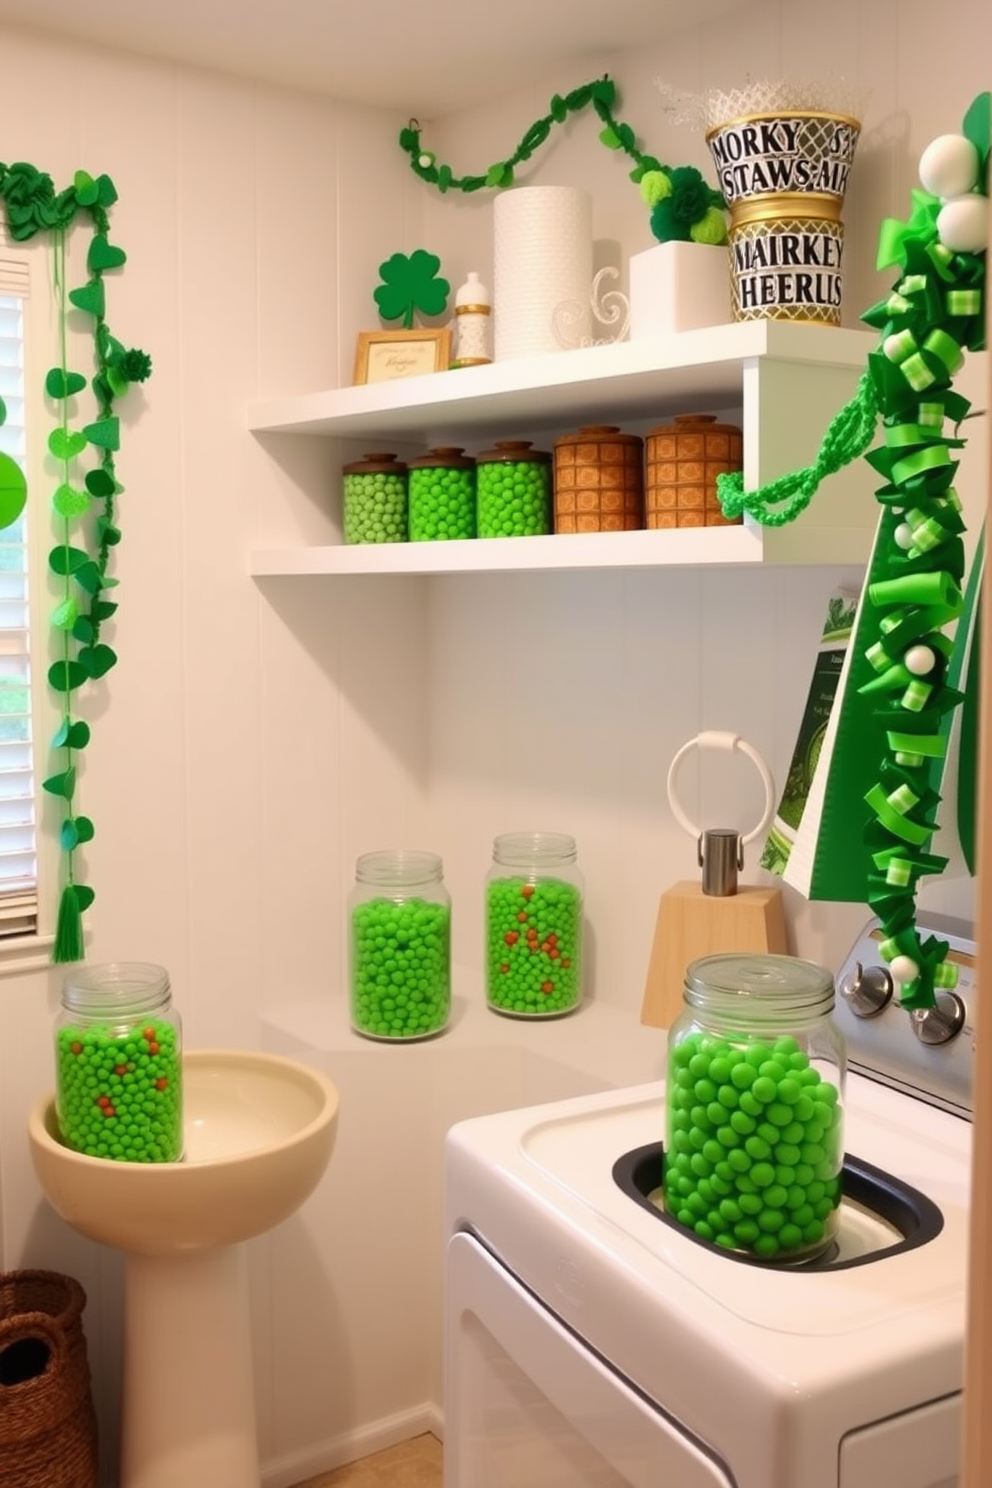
(904, 969)
(902, 536)
(919, 660)
(949, 166)
(963, 224)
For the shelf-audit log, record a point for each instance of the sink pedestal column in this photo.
(189, 1401)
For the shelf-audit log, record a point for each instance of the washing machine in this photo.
(591, 1343)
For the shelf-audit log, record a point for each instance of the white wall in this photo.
(255, 738)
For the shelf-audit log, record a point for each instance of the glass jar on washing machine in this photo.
(754, 1124)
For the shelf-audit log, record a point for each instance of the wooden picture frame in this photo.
(383, 356)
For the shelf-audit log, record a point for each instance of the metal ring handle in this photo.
(715, 739)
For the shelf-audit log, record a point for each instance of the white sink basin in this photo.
(259, 1131)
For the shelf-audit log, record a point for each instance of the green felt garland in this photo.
(84, 500)
(935, 313)
(682, 206)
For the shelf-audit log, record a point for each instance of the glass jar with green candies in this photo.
(514, 490)
(399, 916)
(375, 500)
(534, 925)
(754, 1124)
(441, 495)
(118, 1064)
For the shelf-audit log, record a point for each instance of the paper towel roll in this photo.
(542, 258)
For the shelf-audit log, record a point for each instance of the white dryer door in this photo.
(527, 1405)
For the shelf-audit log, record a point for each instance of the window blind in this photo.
(18, 817)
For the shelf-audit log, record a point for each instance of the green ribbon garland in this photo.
(81, 558)
(932, 317)
(683, 206)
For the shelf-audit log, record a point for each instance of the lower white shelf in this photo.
(695, 547)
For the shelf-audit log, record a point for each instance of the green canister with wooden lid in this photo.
(513, 483)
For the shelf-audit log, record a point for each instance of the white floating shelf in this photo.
(788, 380)
(645, 378)
(690, 545)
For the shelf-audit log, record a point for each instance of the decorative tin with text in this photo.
(793, 152)
(785, 266)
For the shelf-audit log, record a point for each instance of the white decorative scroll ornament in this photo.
(609, 307)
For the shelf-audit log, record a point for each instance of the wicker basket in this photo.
(47, 1423)
(683, 461)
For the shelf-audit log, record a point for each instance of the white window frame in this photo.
(25, 269)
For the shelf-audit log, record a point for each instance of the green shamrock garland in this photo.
(935, 313)
(409, 284)
(84, 501)
(683, 207)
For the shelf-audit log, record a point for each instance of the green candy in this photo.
(442, 503)
(533, 947)
(400, 968)
(514, 498)
(119, 1091)
(375, 507)
(754, 1125)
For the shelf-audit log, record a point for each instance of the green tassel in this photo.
(69, 928)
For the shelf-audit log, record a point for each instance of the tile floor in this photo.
(413, 1464)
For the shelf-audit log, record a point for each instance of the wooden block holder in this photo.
(691, 923)
(716, 915)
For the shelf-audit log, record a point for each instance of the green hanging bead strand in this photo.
(81, 558)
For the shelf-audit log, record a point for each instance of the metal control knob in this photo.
(939, 1024)
(867, 990)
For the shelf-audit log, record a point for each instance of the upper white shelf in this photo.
(650, 377)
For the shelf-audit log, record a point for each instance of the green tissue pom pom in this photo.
(666, 226)
(711, 229)
(654, 187)
(136, 365)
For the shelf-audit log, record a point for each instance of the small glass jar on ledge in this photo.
(399, 914)
(534, 925)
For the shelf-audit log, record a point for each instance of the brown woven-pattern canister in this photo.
(599, 480)
(47, 1422)
(683, 460)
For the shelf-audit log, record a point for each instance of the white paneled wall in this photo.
(256, 738)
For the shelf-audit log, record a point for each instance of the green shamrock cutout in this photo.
(72, 735)
(410, 284)
(62, 784)
(104, 255)
(60, 384)
(69, 501)
(90, 297)
(63, 444)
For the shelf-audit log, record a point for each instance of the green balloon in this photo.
(13, 490)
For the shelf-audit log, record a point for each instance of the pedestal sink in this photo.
(259, 1132)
